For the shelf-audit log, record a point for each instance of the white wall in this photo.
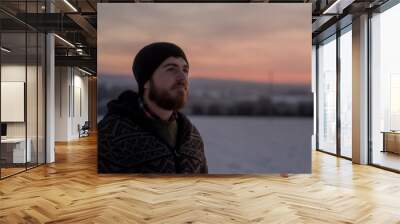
(33, 126)
(62, 82)
(12, 73)
(79, 111)
(71, 92)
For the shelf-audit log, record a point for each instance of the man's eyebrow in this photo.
(175, 65)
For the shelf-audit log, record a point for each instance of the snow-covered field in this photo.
(256, 144)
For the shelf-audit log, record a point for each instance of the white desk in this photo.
(18, 145)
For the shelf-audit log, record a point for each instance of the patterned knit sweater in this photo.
(127, 144)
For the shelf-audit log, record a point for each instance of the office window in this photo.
(327, 95)
(346, 92)
(314, 91)
(385, 88)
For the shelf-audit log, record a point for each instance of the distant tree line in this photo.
(261, 107)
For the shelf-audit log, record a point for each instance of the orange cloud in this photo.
(267, 42)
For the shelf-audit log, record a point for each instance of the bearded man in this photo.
(144, 132)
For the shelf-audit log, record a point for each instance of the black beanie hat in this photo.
(150, 57)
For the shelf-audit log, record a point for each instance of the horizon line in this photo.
(307, 82)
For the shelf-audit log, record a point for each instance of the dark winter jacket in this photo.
(127, 143)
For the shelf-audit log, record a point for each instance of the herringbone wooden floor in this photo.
(70, 191)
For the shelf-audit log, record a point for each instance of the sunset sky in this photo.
(258, 42)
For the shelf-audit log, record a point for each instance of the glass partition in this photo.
(13, 110)
(41, 96)
(31, 98)
(327, 95)
(22, 90)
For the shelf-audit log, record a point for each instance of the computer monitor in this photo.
(3, 129)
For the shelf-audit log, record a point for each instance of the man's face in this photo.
(169, 86)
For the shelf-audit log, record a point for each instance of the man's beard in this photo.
(167, 100)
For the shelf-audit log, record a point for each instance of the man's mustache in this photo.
(179, 84)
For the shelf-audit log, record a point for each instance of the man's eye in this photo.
(175, 69)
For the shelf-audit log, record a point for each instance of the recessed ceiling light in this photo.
(70, 5)
(86, 72)
(338, 6)
(64, 40)
(5, 50)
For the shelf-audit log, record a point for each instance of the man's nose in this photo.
(182, 75)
